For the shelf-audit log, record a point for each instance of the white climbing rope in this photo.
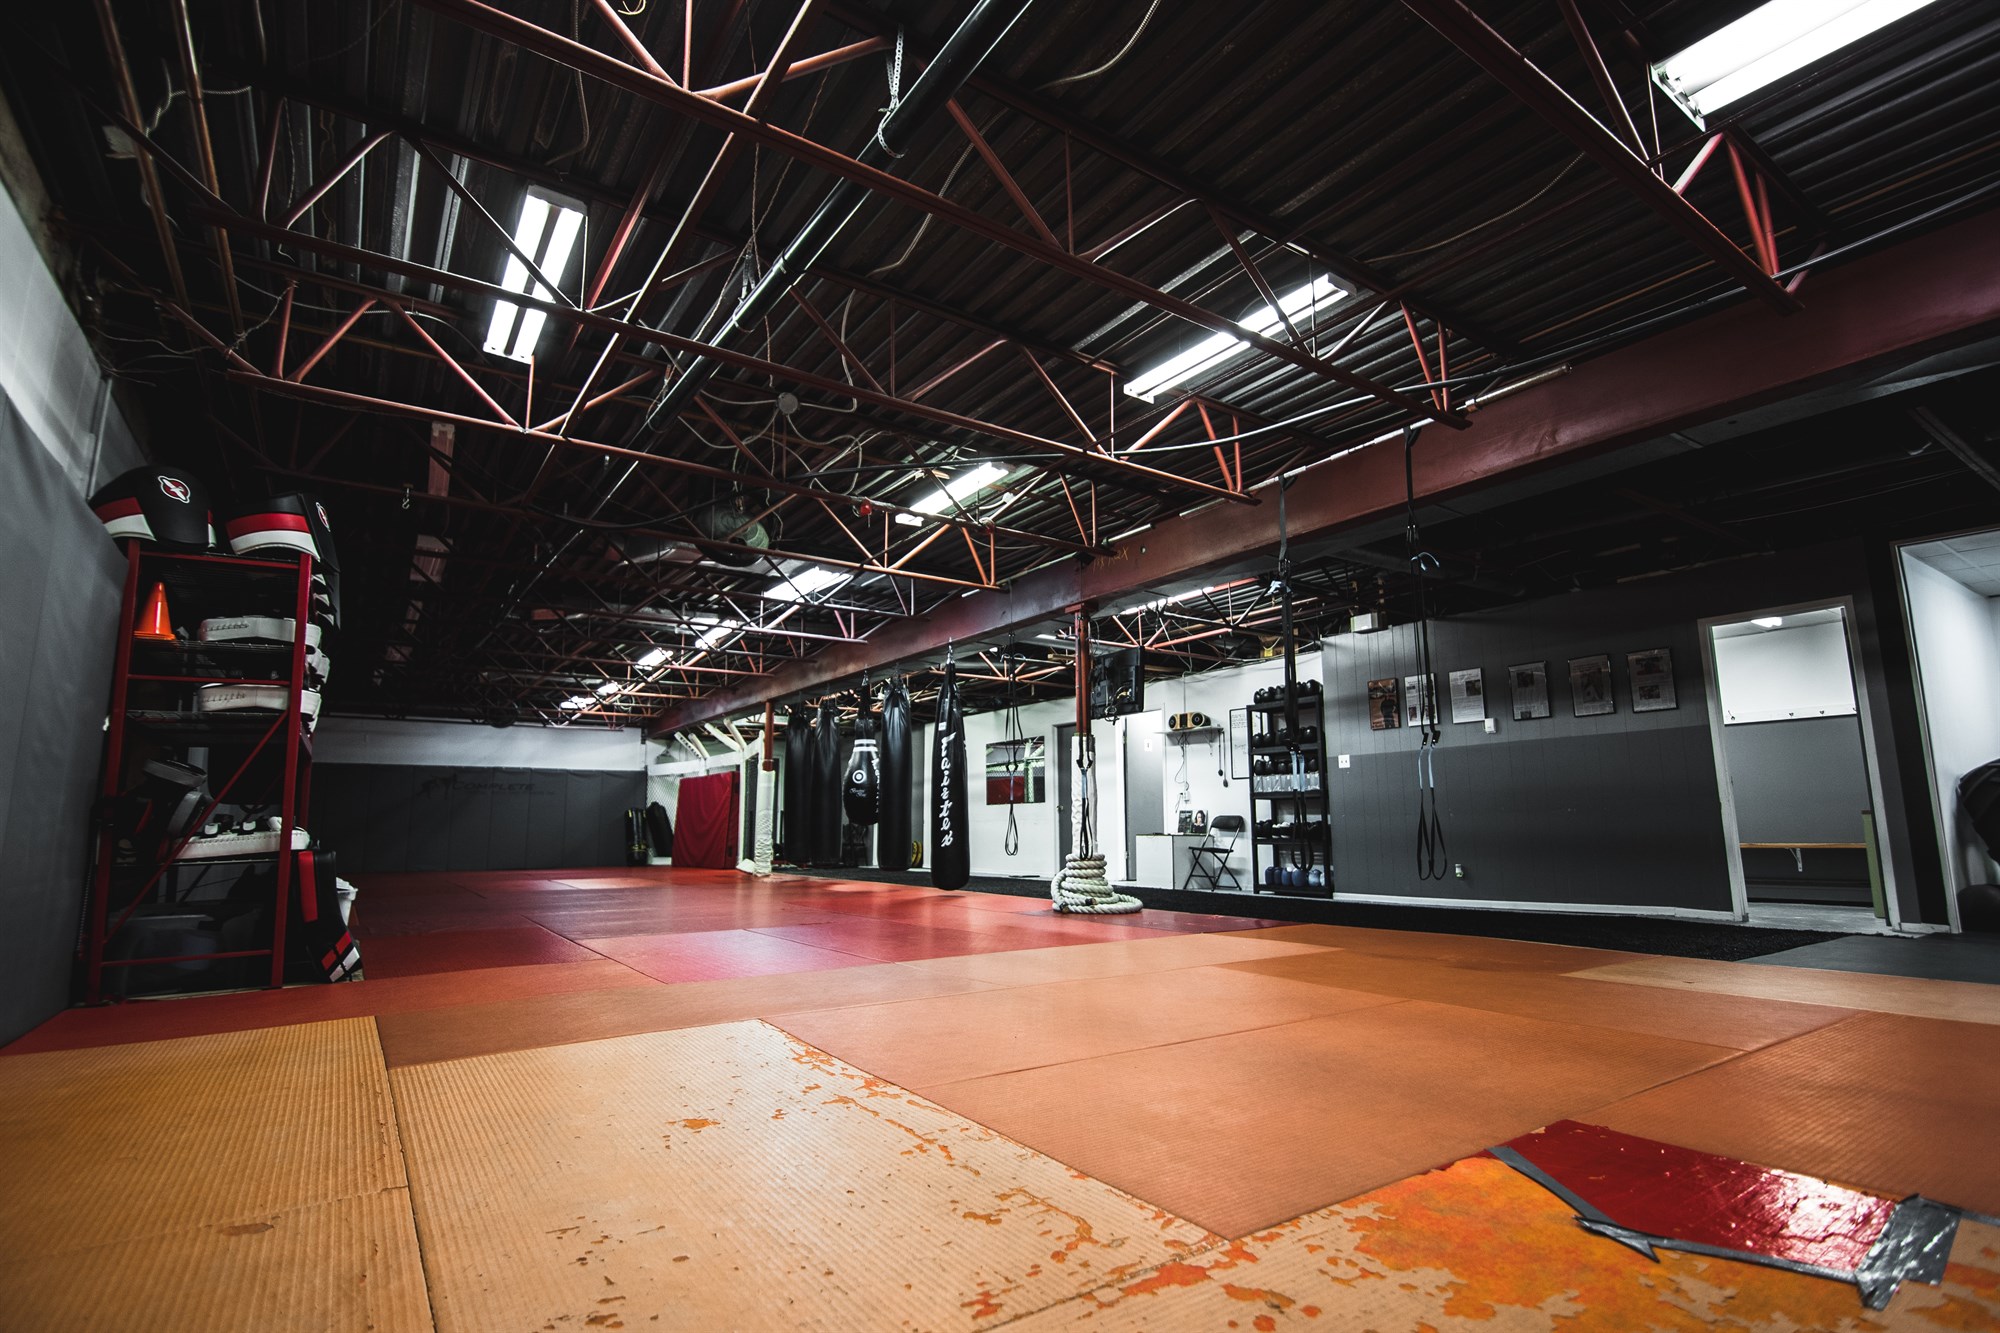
(1080, 887)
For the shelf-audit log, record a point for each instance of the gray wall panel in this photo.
(1623, 809)
(382, 817)
(59, 605)
(1802, 780)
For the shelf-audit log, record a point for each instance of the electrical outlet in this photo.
(1458, 870)
(1347, 761)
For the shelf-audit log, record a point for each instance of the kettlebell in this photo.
(1271, 877)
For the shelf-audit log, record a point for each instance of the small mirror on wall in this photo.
(1017, 772)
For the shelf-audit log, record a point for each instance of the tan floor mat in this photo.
(1962, 1001)
(731, 1177)
(266, 1160)
(1889, 1103)
(1241, 1131)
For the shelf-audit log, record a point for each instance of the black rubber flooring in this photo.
(1936, 957)
(1678, 939)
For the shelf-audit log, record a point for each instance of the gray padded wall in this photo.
(398, 817)
(1799, 780)
(58, 621)
(1617, 810)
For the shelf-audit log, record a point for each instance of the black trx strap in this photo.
(1017, 753)
(1431, 855)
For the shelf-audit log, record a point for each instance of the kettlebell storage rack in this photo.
(264, 755)
(1288, 778)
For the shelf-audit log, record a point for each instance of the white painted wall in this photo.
(1785, 673)
(369, 740)
(1957, 635)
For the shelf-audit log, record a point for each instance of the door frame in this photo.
(1954, 868)
(1739, 895)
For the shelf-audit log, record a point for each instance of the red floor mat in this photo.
(454, 951)
(712, 954)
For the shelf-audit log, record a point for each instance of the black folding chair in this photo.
(1209, 860)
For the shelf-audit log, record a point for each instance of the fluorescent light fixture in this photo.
(1771, 41)
(608, 688)
(1768, 622)
(802, 584)
(651, 659)
(715, 634)
(1212, 351)
(503, 337)
(576, 702)
(959, 488)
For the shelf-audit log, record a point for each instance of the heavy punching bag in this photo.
(951, 858)
(892, 835)
(861, 793)
(825, 798)
(798, 782)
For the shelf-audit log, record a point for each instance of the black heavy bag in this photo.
(638, 847)
(825, 798)
(659, 829)
(861, 794)
(892, 838)
(798, 785)
(951, 858)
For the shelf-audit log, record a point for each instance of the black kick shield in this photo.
(951, 858)
(892, 837)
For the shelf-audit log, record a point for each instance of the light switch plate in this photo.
(1490, 728)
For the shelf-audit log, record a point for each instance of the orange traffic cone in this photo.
(153, 621)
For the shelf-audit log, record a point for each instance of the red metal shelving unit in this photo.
(217, 585)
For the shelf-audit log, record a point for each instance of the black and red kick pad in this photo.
(315, 929)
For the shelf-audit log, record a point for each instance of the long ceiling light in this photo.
(550, 243)
(1212, 351)
(1765, 45)
(805, 582)
(953, 492)
(651, 659)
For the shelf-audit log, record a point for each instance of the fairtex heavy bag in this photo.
(861, 793)
(951, 858)
(825, 798)
(797, 845)
(892, 835)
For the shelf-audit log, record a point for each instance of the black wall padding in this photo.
(825, 796)
(892, 835)
(861, 792)
(951, 857)
(58, 628)
(798, 786)
(399, 817)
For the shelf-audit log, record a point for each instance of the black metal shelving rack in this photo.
(153, 708)
(1299, 791)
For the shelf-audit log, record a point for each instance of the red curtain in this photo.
(705, 824)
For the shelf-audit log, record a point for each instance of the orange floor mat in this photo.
(1478, 1246)
(457, 950)
(1880, 1101)
(265, 1161)
(949, 1038)
(1474, 951)
(1960, 1001)
(152, 1020)
(711, 954)
(1721, 1020)
(1112, 958)
(521, 1024)
(1244, 1130)
(732, 1178)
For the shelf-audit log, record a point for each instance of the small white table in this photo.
(1162, 860)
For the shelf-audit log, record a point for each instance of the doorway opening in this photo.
(1794, 757)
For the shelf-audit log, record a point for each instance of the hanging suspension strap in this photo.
(1017, 755)
(1432, 861)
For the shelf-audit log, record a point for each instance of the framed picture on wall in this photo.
(1468, 695)
(1385, 704)
(1590, 685)
(1239, 744)
(1531, 690)
(1651, 676)
(1419, 701)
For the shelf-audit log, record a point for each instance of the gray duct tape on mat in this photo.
(1913, 1247)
